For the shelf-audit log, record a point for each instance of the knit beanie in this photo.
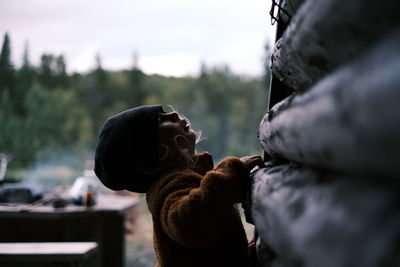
(127, 151)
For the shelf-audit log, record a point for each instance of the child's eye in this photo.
(161, 118)
(172, 117)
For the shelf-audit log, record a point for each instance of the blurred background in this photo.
(67, 65)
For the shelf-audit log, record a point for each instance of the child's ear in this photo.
(164, 150)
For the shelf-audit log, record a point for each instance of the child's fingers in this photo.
(259, 161)
(252, 161)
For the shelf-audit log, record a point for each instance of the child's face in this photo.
(174, 128)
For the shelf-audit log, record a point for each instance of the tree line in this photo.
(44, 107)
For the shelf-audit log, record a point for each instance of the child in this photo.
(195, 219)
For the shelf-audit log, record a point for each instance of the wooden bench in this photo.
(82, 254)
(103, 223)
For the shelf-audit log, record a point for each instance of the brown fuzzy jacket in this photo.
(195, 219)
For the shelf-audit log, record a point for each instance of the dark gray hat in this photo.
(127, 155)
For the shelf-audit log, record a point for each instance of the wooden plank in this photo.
(349, 121)
(310, 218)
(47, 251)
(325, 34)
(47, 248)
(105, 204)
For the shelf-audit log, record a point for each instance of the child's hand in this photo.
(252, 161)
(249, 163)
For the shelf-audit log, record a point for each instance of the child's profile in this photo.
(196, 221)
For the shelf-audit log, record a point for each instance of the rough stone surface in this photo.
(325, 34)
(313, 219)
(348, 122)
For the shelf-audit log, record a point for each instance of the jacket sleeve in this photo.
(198, 216)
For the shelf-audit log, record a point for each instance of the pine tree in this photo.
(25, 80)
(46, 71)
(7, 72)
(53, 72)
(61, 72)
(136, 78)
(8, 121)
(97, 97)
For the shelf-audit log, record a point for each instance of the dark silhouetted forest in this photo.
(45, 109)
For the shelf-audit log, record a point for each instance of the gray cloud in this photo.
(182, 32)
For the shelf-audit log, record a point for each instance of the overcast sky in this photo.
(170, 37)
